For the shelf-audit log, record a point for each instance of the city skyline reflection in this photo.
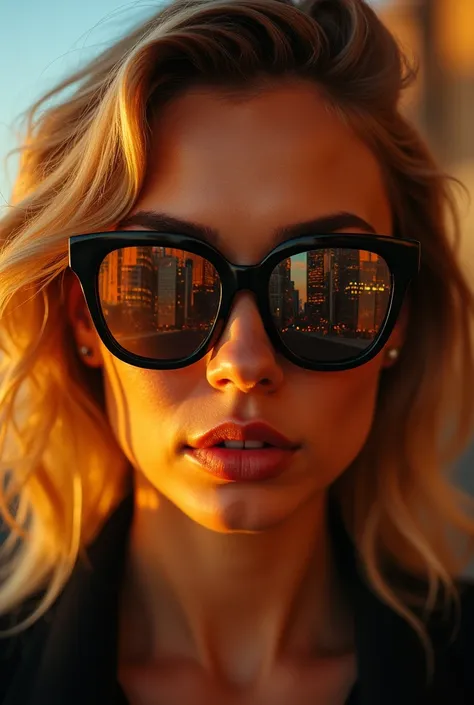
(162, 302)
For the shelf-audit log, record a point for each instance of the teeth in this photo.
(241, 445)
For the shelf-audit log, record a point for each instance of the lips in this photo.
(261, 432)
(241, 453)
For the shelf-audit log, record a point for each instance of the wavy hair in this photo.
(83, 162)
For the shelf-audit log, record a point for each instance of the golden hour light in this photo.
(236, 352)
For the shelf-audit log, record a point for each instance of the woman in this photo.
(225, 426)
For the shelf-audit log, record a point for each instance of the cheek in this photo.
(144, 405)
(351, 395)
(337, 410)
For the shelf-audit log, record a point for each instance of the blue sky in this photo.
(40, 42)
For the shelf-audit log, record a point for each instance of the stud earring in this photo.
(85, 351)
(393, 354)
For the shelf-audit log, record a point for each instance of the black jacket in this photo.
(69, 656)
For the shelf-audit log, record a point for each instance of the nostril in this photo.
(223, 382)
(244, 385)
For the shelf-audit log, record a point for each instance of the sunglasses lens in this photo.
(329, 305)
(158, 302)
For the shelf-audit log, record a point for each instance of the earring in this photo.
(393, 354)
(85, 351)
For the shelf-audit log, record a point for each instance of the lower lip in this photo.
(241, 465)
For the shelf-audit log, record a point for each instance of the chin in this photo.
(238, 522)
(245, 511)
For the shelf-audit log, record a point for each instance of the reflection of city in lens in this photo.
(161, 302)
(330, 304)
(157, 301)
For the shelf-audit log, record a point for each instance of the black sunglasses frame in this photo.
(87, 252)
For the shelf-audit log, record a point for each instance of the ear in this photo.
(397, 338)
(85, 335)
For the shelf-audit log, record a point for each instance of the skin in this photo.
(208, 560)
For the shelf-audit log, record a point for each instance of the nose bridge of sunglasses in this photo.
(246, 282)
(246, 277)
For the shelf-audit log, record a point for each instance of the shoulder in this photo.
(453, 641)
(10, 653)
(463, 639)
(15, 649)
(466, 592)
(452, 625)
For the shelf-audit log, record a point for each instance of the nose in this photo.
(244, 358)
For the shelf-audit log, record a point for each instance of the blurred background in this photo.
(439, 34)
(41, 42)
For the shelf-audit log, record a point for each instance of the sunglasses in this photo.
(161, 301)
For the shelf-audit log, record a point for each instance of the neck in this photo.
(196, 594)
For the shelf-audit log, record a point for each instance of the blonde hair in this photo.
(82, 166)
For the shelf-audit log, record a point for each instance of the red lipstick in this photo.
(241, 453)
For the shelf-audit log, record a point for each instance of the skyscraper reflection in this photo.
(332, 294)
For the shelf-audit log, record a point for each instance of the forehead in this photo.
(260, 162)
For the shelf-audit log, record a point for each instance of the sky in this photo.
(41, 42)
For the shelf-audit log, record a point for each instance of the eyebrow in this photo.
(164, 223)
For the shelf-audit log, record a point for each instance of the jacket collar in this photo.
(71, 654)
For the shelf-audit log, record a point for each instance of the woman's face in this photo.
(247, 168)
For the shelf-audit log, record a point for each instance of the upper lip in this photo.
(257, 431)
